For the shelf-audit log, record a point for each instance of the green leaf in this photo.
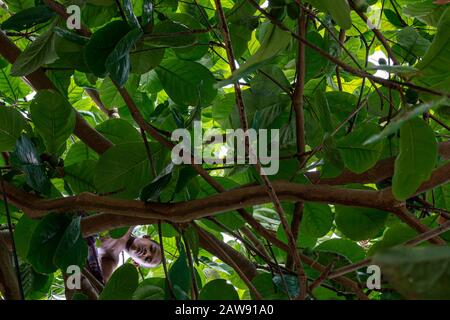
(147, 13)
(265, 286)
(54, 119)
(79, 152)
(19, 5)
(417, 273)
(274, 42)
(148, 292)
(152, 191)
(406, 115)
(26, 158)
(35, 285)
(218, 289)
(165, 34)
(338, 9)
(44, 242)
(119, 131)
(122, 284)
(187, 83)
(80, 176)
(72, 248)
(28, 18)
(12, 124)
(317, 219)
(359, 157)
(360, 223)
(435, 65)
(195, 51)
(101, 44)
(12, 88)
(179, 276)
(22, 235)
(411, 41)
(347, 248)
(118, 233)
(394, 235)
(193, 239)
(131, 18)
(416, 160)
(123, 170)
(41, 51)
(71, 36)
(118, 63)
(145, 58)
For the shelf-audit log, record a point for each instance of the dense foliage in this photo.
(359, 90)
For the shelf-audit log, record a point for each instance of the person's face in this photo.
(145, 252)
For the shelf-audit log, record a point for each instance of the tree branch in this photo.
(8, 278)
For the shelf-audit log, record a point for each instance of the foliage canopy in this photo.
(358, 89)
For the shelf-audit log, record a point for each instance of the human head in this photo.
(145, 252)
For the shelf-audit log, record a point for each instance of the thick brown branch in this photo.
(8, 278)
(200, 208)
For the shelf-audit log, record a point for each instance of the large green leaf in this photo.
(317, 219)
(416, 160)
(44, 242)
(12, 124)
(122, 284)
(435, 65)
(180, 276)
(218, 289)
(161, 35)
(394, 235)
(123, 170)
(358, 156)
(102, 43)
(25, 158)
(405, 115)
(338, 9)
(119, 131)
(35, 285)
(148, 292)
(187, 83)
(417, 273)
(80, 176)
(118, 63)
(38, 53)
(12, 88)
(22, 235)
(72, 248)
(152, 191)
(19, 5)
(53, 117)
(347, 248)
(131, 18)
(28, 18)
(360, 223)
